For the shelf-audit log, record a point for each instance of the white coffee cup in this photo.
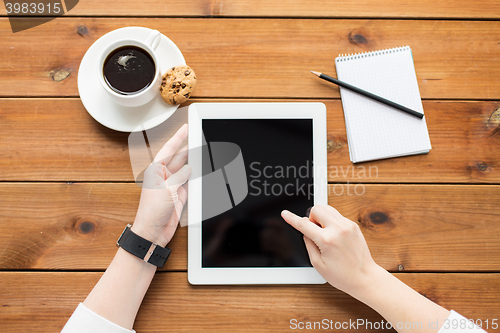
(145, 95)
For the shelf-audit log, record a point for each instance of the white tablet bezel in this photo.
(199, 111)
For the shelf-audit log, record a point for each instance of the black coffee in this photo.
(129, 70)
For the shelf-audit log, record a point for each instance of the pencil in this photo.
(368, 94)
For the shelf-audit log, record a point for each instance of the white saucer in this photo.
(100, 105)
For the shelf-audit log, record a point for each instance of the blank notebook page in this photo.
(375, 130)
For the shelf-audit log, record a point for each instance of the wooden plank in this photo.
(64, 221)
(410, 227)
(425, 227)
(56, 140)
(42, 302)
(464, 138)
(263, 57)
(290, 8)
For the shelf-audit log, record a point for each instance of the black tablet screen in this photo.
(277, 157)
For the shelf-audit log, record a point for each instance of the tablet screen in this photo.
(278, 155)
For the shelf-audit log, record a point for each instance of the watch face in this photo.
(277, 156)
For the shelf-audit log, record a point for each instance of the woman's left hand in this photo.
(164, 192)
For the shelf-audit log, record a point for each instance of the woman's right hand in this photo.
(339, 252)
(336, 247)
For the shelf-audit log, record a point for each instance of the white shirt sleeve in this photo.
(84, 320)
(457, 323)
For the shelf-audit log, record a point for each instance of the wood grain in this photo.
(57, 140)
(43, 302)
(63, 221)
(263, 57)
(290, 8)
(66, 182)
(410, 227)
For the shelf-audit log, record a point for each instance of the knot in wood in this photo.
(378, 218)
(493, 123)
(481, 166)
(82, 30)
(85, 227)
(494, 119)
(60, 74)
(356, 37)
(333, 144)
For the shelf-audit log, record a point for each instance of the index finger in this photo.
(170, 148)
(302, 224)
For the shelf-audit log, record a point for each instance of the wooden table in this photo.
(67, 188)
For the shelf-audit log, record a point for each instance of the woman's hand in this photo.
(339, 252)
(336, 247)
(163, 193)
(121, 289)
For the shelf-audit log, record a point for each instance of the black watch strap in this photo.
(142, 248)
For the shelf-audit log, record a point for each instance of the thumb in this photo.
(314, 252)
(179, 178)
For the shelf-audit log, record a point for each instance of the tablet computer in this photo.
(250, 161)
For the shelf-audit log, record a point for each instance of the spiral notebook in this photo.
(375, 130)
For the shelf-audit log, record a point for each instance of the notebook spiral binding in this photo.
(346, 57)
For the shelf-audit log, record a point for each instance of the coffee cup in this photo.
(129, 71)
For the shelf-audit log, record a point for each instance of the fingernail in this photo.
(308, 211)
(285, 213)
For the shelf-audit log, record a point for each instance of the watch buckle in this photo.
(150, 252)
(119, 238)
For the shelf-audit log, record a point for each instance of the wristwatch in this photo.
(142, 248)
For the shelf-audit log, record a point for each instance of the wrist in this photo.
(131, 261)
(148, 234)
(370, 283)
